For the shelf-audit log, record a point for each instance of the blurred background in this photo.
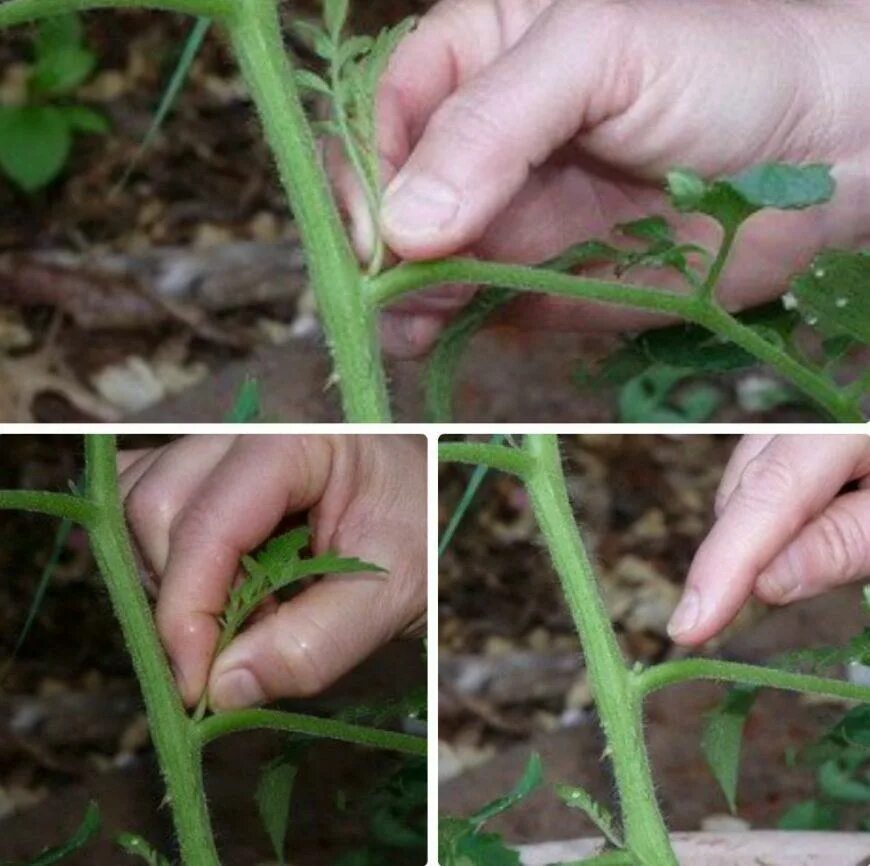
(512, 678)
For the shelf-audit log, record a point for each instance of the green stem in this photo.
(64, 505)
(14, 12)
(396, 282)
(348, 320)
(392, 284)
(839, 405)
(671, 673)
(617, 700)
(222, 724)
(502, 457)
(708, 287)
(173, 733)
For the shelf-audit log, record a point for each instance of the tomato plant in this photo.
(831, 295)
(179, 738)
(637, 835)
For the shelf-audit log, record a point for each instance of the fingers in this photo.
(748, 448)
(325, 631)
(479, 145)
(790, 481)
(830, 551)
(232, 511)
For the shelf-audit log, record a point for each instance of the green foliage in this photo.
(169, 97)
(274, 792)
(732, 200)
(395, 813)
(277, 565)
(579, 798)
(87, 831)
(833, 295)
(810, 815)
(354, 68)
(532, 778)
(36, 137)
(139, 847)
(460, 840)
(722, 739)
(248, 405)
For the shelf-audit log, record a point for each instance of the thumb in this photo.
(306, 645)
(569, 72)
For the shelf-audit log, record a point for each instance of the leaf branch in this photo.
(671, 673)
(63, 505)
(502, 457)
(222, 724)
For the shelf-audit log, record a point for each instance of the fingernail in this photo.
(687, 614)
(236, 689)
(419, 204)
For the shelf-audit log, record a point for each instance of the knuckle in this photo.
(151, 507)
(467, 119)
(767, 482)
(842, 542)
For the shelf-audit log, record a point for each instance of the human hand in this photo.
(197, 505)
(511, 129)
(785, 529)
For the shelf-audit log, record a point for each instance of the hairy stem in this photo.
(349, 321)
(63, 505)
(173, 733)
(671, 673)
(246, 720)
(701, 310)
(617, 700)
(502, 457)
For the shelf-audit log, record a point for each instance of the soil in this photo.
(511, 674)
(72, 727)
(206, 183)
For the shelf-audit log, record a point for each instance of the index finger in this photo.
(259, 480)
(792, 479)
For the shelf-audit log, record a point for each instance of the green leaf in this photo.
(282, 553)
(531, 779)
(58, 32)
(247, 407)
(652, 397)
(784, 187)
(87, 830)
(138, 847)
(579, 798)
(732, 200)
(335, 16)
(307, 80)
(274, 792)
(83, 119)
(810, 815)
(834, 294)
(315, 38)
(838, 784)
(63, 70)
(459, 844)
(35, 143)
(722, 738)
(586, 253)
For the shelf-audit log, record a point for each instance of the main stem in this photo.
(349, 320)
(616, 697)
(175, 739)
